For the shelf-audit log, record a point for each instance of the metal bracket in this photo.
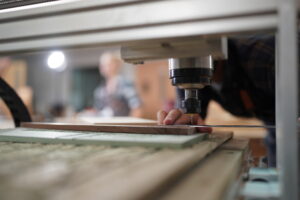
(262, 185)
(176, 48)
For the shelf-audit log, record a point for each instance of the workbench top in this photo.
(59, 171)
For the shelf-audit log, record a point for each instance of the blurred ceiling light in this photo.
(56, 60)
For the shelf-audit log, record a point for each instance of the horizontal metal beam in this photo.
(89, 22)
(138, 35)
(59, 7)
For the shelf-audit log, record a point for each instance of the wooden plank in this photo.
(33, 171)
(96, 138)
(144, 178)
(212, 179)
(141, 129)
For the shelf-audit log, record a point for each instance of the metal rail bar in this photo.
(287, 88)
(116, 22)
(229, 126)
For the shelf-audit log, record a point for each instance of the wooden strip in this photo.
(144, 178)
(211, 180)
(141, 129)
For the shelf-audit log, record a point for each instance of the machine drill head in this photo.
(191, 74)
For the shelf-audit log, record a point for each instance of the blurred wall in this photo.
(49, 86)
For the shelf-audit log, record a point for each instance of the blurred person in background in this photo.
(118, 96)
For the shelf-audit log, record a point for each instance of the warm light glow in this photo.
(56, 60)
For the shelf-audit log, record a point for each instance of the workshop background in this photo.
(88, 131)
(67, 94)
(70, 91)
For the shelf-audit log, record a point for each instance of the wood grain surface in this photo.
(214, 178)
(210, 180)
(33, 171)
(147, 177)
(141, 129)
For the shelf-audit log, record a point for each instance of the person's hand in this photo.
(176, 117)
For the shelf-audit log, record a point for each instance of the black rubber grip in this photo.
(15, 104)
